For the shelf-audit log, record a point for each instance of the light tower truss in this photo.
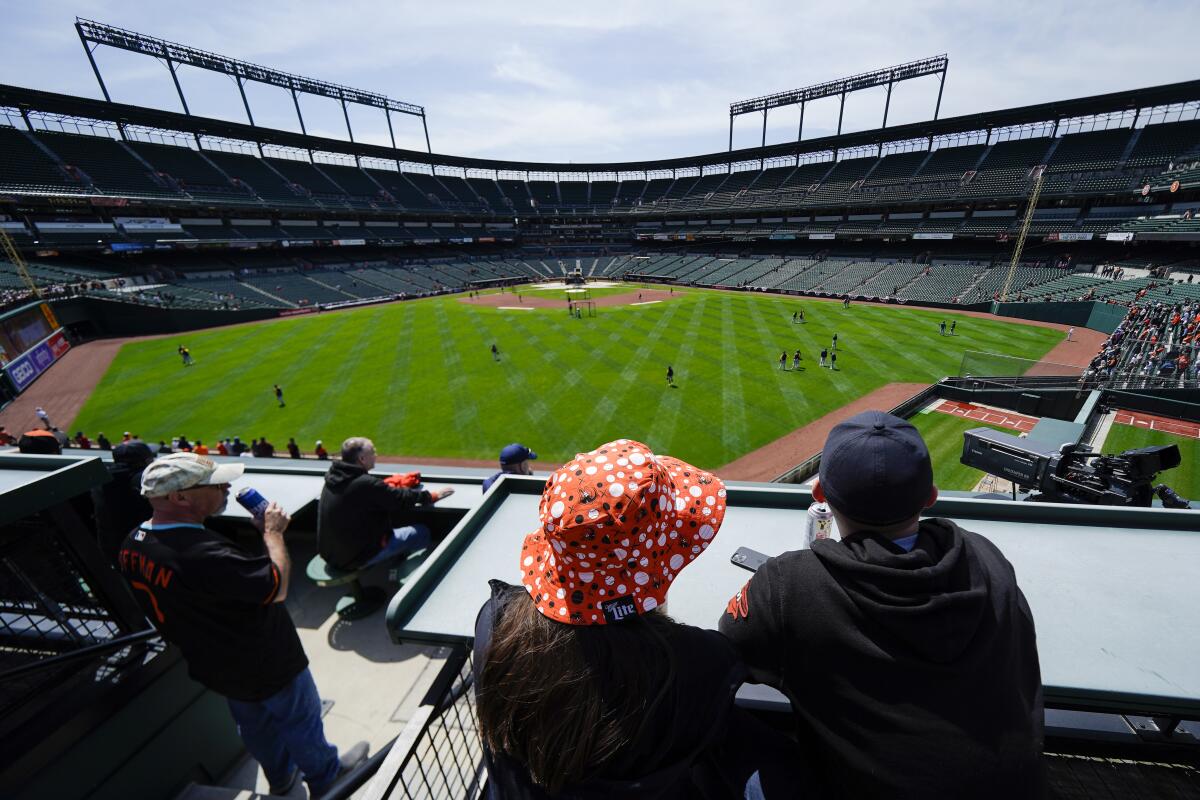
(93, 34)
(888, 76)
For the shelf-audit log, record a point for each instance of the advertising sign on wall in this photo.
(26, 369)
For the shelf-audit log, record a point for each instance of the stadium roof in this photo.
(88, 108)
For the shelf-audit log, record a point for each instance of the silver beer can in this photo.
(819, 523)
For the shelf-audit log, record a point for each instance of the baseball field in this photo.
(420, 379)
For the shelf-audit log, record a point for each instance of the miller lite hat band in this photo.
(179, 471)
(618, 524)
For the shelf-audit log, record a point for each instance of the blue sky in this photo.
(607, 81)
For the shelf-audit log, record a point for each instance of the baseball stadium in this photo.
(1021, 285)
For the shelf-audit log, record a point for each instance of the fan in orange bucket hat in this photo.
(618, 524)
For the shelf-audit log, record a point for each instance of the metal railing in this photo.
(438, 754)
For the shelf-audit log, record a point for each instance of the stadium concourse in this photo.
(1031, 267)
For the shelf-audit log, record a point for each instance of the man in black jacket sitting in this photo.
(119, 504)
(907, 650)
(361, 521)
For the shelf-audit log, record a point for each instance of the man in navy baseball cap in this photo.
(875, 472)
(514, 459)
(906, 648)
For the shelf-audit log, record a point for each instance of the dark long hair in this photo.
(563, 700)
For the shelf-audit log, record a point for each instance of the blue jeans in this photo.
(408, 539)
(285, 731)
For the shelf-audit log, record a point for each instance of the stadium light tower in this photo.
(888, 76)
(174, 54)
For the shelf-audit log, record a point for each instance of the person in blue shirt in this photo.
(514, 460)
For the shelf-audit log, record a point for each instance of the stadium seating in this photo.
(517, 194)
(896, 168)
(259, 177)
(573, 193)
(1099, 150)
(309, 177)
(192, 172)
(630, 192)
(889, 280)
(1108, 162)
(653, 191)
(107, 163)
(358, 190)
(942, 283)
(434, 191)
(464, 197)
(603, 193)
(1004, 171)
(1157, 145)
(26, 167)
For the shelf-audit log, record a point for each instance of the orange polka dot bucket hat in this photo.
(618, 524)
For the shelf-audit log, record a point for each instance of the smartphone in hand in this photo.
(749, 559)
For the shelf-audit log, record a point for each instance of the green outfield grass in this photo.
(1185, 478)
(943, 434)
(419, 379)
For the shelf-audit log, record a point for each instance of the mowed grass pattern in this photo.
(943, 435)
(419, 379)
(1184, 479)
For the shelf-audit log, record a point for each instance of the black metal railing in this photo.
(66, 618)
(439, 754)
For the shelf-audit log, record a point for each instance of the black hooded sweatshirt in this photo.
(357, 514)
(912, 675)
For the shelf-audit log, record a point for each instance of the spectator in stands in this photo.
(102, 441)
(163, 447)
(238, 447)
(183, 445)
(126, 436)
(320, 452)
(200, 449)
(293, 448)
(119, 505)
(926, 680)
(361, 519)
(265, 448)
(588, 691)
(255, 448)
(6, 438)
(222, 447)
(82, 442)
(514, 460)
(39, 442)
(222, 606)
(63, 440)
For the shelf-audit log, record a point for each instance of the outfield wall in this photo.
(90, 318)
(1103, 317)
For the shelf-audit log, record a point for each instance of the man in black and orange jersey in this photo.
(222, 606)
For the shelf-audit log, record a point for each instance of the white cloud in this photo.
(520, 66)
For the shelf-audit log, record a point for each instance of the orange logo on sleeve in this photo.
(739, 604)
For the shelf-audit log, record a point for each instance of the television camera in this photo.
(1073, 473)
